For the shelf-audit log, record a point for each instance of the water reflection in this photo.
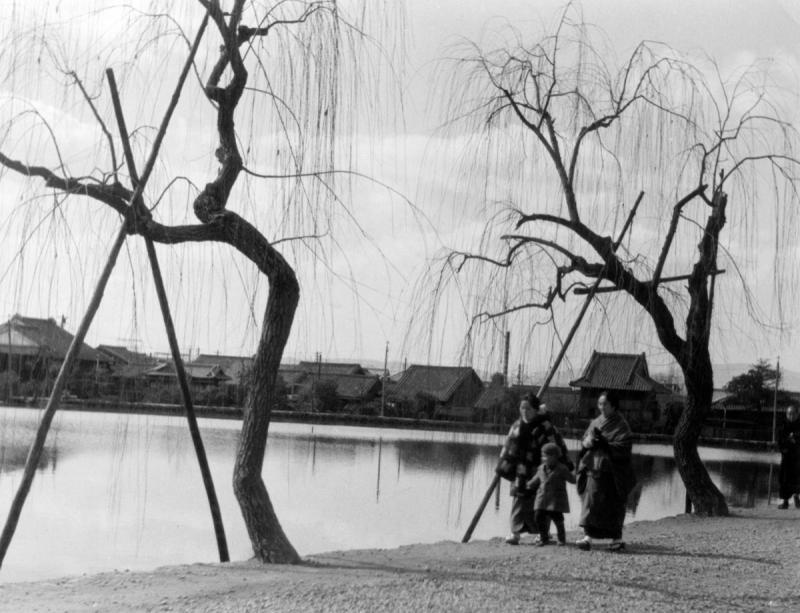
(12, 457)
(124, 491)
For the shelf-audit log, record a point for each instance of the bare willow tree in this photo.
(566, 143)
(273, 79)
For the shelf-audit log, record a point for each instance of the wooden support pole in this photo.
(180, 371)
(496, 480)
(35, 452)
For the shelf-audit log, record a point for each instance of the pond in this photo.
(121, 491)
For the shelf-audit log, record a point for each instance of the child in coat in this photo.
(551, 500)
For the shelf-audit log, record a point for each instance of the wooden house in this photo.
(34, 350)
(331, 368)
(237, 368)
(446, 392)
(126, 378)
(354, 384)
(627, 375)
(199, 375)
(296, 380)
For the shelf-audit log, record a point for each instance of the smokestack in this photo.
(505, 359)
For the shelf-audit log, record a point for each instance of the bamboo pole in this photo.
(590, 295)
(35, 452)
(208, 482)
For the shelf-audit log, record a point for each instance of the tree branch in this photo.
(246, 32)
(114, 195)
(100, 121)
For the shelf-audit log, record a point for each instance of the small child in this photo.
(551, 500)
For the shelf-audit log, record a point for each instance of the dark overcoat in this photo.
(789, 445)
(551, 488)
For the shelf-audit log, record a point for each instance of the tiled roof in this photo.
(292, 375)
(193, 371)
(12, 341)
(718, 396)
(489, 397)
(438, 381)
(617, 371)
(124, 355)
(331, 368)
(233, 365)
(131, 371)
(50, 337)
(354, 387)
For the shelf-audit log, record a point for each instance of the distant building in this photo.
(354, 384)
(732, 418)
(126, 376)
(296, 380)
(117, 354)
(235, 366)
(447, 392)
(199, 375)
(628, 376)
(34, 350)
(499, 404)
(331, 368)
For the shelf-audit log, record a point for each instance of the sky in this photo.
(373, 277)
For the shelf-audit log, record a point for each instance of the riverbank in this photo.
(746, 562)
(371, 421)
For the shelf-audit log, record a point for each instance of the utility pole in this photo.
(315, 384)
(505, 359)
(775, 398)
(383, 379)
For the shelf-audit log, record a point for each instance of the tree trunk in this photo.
(706, 498)
(267, 537)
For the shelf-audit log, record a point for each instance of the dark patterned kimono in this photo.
(605, 477)
(519, 459)
(789, 445)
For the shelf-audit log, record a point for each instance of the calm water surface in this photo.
(124, 491)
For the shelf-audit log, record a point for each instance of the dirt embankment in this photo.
(747, 562)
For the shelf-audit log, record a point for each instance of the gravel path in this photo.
(747, 562)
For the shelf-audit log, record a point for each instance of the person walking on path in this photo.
(789, 445)
(519, 460)
(550, 483)
(605, 475)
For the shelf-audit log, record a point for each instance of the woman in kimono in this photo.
(520, 458)
(789, 445)
(605, 475)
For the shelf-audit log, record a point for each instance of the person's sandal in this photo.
(617, 546)
(584, 544)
